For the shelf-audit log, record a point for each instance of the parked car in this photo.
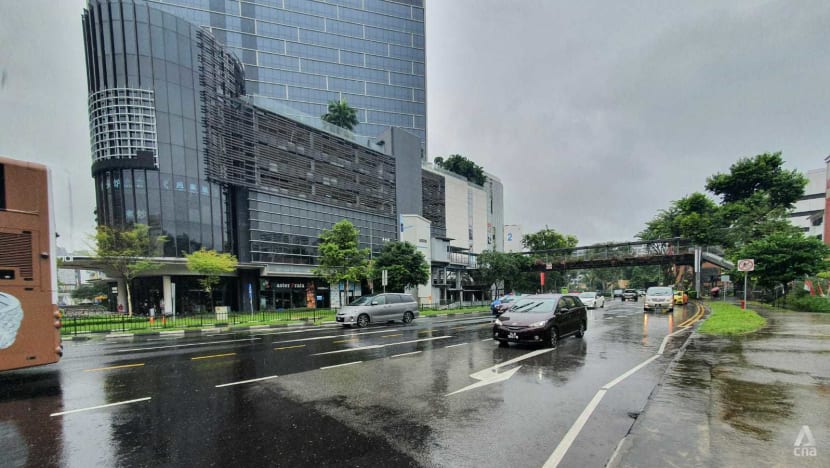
(680, 297)
(592, 300)
(504, 304)
(617, 293)
(659, 298)
(630, 295)
(378, 308)
(542, 318)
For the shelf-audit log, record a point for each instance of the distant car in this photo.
(503, 304)
(641, 292)
(680, 297)
(630, 295)
(659, 298)
(541, 318)
(592, 300)
(378, 308)
(617, 293)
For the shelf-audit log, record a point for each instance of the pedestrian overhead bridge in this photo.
(677, 251)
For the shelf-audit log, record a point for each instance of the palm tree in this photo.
(341, 114)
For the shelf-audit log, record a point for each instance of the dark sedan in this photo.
(541, 318)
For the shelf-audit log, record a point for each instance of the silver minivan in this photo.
(378, 308)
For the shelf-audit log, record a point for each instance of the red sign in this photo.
(542, 278)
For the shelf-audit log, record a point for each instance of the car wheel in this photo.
(503, 343)
(553, 338)
(363, 321)
(581, 332)
(407, 317)
(602, 306)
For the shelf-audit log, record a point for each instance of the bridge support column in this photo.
(697, 269)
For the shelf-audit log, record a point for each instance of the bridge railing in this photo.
(660, 247)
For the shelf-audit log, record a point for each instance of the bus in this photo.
(29, 316)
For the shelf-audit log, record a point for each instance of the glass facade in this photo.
(150, 74)
(305, 53)
(287, 230)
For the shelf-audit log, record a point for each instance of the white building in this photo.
(808, 213)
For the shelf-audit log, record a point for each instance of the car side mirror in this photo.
(562, 310)
(374, 303)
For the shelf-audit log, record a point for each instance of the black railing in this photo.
(74, 324)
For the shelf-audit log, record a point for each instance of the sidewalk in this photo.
(239, 328)
(741, 401)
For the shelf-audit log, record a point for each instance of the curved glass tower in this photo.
(151, 76)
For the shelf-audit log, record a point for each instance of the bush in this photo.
(809, 304)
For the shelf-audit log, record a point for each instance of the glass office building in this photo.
(306, 53)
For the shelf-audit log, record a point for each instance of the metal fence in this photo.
(107, 322)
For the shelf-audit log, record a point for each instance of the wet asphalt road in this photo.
(391, 395)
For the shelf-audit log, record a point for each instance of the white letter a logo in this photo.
(805, 433)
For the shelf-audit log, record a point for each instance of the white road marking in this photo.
(491, 375)
(487, 339)
(569, 438)
(454, 345)
(182, 345)
(363, 348)
(405, 354)
(246, 381)
(341, 365)
(564, 444)
(327, 337)
(491, 380)
(666, 340)
(99, 407)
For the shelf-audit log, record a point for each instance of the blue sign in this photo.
(250, 291)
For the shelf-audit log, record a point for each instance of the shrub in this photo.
(809, 304)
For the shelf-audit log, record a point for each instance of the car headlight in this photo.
(539, 324)
(498, 322)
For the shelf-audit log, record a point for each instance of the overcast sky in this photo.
(594, 114)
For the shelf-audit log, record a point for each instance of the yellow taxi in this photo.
(680, 297)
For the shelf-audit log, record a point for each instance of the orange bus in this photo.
(29, 316)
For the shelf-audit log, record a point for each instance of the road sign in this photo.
(746, 264)
(724, 278)
(385, 278)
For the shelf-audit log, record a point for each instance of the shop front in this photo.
(293, 293)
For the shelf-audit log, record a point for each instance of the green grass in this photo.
(729, 319)
(433, 312)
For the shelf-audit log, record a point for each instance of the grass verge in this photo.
(729, 319)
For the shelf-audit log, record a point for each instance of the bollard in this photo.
(743, 304)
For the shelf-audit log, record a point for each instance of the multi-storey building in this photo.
(179, 144)
(808, 213)
(306, 53)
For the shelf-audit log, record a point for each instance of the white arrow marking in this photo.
(491, 375)
(495, 379)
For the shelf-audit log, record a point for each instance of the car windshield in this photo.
(657, 291)
(508, 299)
(534, 306)
(588, 295)
(365, 300)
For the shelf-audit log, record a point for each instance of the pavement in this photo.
(234, 328)
(757, 400)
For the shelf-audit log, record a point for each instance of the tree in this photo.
(210, 264)
(341, 114)
(695, 217)
(125, 252)
(500, 266)
(406, 266)
(548, 239)
(462, 166)
(783, 257)
(756, 195)
(339, 255)
(91, 291)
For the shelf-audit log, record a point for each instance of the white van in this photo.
(378, 308)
